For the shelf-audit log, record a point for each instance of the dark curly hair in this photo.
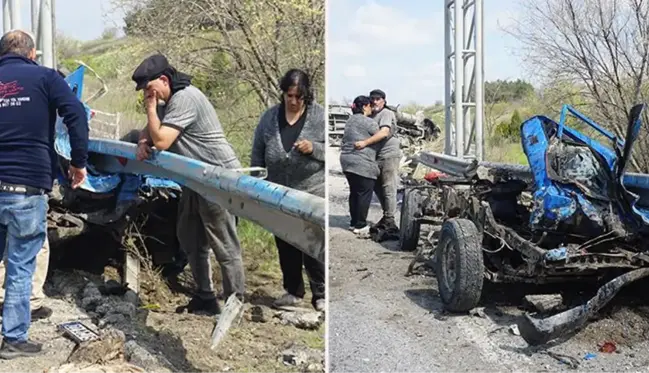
(300, 79)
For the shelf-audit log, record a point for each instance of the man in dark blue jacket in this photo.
(30, 96)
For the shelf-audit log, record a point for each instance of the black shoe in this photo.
(41, 313)
(380, 224)
(391, 226)
(12, 350)
(201, 306)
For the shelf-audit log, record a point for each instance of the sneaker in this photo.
(12, 350)
(320, 305)
(286, 300)
(41, 313)
(201, 306)
(362, 231)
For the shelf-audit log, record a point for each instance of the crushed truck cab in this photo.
(574, 214)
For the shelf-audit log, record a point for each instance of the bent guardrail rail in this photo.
(294, 216)
(462, 168)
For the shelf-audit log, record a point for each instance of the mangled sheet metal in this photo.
(413, 130)
(97, 181)
(585, 219)
(579, 185)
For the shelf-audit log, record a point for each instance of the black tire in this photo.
(409, 225)
(459, 265)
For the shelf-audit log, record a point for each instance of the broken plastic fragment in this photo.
(557, 254)
(608, 347)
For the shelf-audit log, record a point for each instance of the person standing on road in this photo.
(187, 124)
(290, 142)
(358, 162)
(388, 159)
(30, 96)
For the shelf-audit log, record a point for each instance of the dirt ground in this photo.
(381, 320)
(159, 339)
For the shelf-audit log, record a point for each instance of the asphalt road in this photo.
(382, 321)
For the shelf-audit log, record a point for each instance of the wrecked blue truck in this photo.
(574, 214)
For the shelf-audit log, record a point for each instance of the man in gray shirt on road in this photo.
(187, 124)
(388, 159)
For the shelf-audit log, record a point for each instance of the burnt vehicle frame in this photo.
(412, 130)
(573, 215)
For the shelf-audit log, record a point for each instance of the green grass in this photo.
(315, 340)
(505, 151)
(258, 246)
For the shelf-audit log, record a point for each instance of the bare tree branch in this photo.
(261, 38)
(601, 46)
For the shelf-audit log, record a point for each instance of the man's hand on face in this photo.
(77, 176)
(151, 99)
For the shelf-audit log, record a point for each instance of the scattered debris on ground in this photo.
(478, 312)
(544, 302)
(229, 315)
(302, 357)
(149, 336)
(481, 340)
(303, 319)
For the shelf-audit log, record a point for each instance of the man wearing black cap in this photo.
(388, 158)
(181, 119)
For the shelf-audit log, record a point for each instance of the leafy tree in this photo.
(507, 91)
(258, 40)
(510, 129)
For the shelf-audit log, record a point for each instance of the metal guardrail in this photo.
(464, 168)
(445, 163)
(294, 216)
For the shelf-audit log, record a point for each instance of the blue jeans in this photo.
(23, 227)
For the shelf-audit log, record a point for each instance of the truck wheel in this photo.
(409, 225)
(459, 265)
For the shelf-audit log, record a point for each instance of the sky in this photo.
(80, 19)
(398, 46)
(394, 45)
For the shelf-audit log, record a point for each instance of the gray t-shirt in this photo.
(390, 147)
(201, 136)
(360, 162)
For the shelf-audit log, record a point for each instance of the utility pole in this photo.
(42, 26)
(464, 79)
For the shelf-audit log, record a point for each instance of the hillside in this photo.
(498, 147)
(507, 105)
(114, 60)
